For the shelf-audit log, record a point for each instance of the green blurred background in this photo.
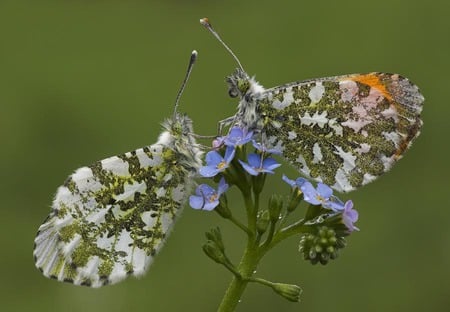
(83, 80)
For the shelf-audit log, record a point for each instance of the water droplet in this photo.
(254, 272)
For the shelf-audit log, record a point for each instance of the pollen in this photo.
(221, 165)
(213, 198)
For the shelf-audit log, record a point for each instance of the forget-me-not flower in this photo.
(349, 216)
(215, 163)
(238, 137)
(256, 164)
(207, 198)
(322, 195)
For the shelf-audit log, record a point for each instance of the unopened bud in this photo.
(296, 197)
(263, 222)
(215, 236)
(275, 205)
(212, 251)
(288, 291)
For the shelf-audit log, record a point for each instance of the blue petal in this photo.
(211, 205)
(223, 186)
(350, 212)
(254, 160)
(208, 171)
(196, 202)
(335, 206)
(213, 158)
(324, 190)
(270, 164)
(233, 137)
(206, 190)
(288, 181)
(300, 182)
(350, 216)
(229, 154)
(248, 136)
(309, 193)
(249, 169)
(236, 132)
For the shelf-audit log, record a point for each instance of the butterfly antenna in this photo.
(205, 22)
(186, 78)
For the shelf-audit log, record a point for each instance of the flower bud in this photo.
(263, 222)
(296, 197)
(288, 291)
(212, 251)
(275, 205)
(215, 236)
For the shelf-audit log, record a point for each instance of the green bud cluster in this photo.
(321, 246)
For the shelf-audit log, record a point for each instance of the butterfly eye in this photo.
(232, 92)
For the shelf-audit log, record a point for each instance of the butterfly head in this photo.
(238, 83)
(179, 136)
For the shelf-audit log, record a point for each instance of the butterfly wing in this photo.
(110, 219)
(344, 131)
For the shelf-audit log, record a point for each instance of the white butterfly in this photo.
(110, 219)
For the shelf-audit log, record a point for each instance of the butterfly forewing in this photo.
(344, 131)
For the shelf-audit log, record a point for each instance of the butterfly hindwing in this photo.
(110, 219)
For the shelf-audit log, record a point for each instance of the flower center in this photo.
(221, 165)
(213, 198)
(320, 198)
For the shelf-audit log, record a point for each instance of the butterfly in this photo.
(344, 131)
(110, 219)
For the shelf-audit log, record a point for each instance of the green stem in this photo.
(270, 234)
(249, 260)
(239, 225)
(260, 281)
(246, 267)
(251, 215)
(293, 229)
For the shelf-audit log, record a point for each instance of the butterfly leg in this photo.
(224, 123)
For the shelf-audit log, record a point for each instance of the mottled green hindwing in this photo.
(110, 219)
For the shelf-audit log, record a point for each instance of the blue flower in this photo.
(256, 164)
(206, 197)
(323, 195)
(238, 137)
(263, 148)
(349, 216)
(215, 163)
(297, 183)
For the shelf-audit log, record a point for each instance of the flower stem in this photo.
(249, 260)
(239, 225)
(237, 286)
